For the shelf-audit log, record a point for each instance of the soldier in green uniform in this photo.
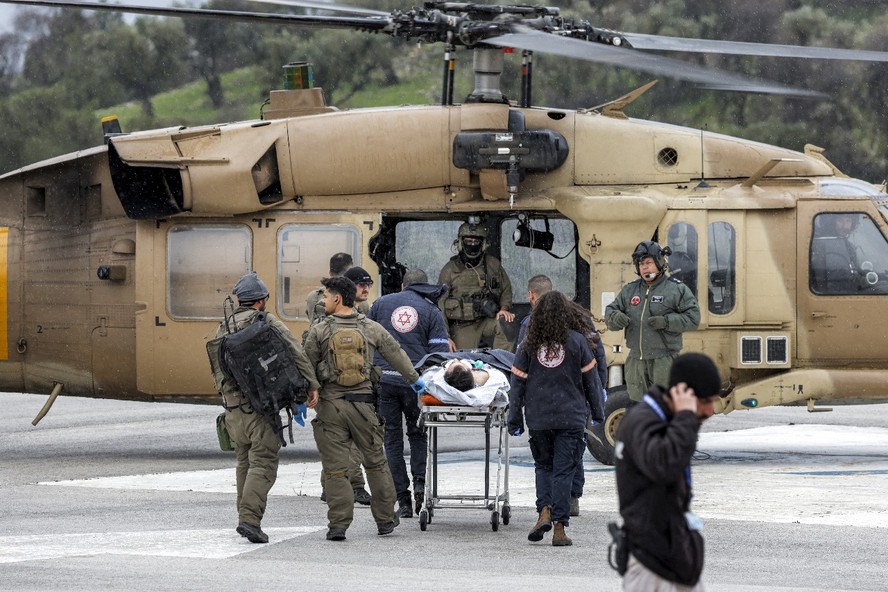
(479, 292)
(341, 350)
(314, 302)
(257, 442)
(654, 310)
(341, 264)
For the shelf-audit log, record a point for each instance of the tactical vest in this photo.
(471, 295)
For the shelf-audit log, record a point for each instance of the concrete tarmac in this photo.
(112, 495)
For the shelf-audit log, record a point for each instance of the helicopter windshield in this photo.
(842, 187)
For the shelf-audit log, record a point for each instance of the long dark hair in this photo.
(550, 323)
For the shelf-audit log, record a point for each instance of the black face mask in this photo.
(472, 247)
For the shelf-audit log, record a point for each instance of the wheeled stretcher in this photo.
(482, 409)
(495, 499)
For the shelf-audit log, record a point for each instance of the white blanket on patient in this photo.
(495, 392)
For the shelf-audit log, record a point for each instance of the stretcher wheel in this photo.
(423, 520)
(507, 514)
(494, 521)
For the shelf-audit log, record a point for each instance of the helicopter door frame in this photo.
(837, 327)
(171, 356)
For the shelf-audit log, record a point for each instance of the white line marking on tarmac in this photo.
(198, 544)
(809, 474)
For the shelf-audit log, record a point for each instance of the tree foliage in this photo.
(59, 66)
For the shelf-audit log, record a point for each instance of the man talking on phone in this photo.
(654, 310)
(655, 443)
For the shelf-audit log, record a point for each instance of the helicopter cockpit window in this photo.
(849, 187)
(522, 262)
(722, 268)
(304, 252)
(682, 239)
(849, 255)
(204, 263)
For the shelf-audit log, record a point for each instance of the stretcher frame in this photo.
(489, 419)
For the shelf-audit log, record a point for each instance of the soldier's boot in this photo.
(542, 526)
(559, 538)
(253, 533)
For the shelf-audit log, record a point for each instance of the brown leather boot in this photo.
(543, 525)
(559, 539)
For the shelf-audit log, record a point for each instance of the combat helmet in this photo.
(654, 251)
(471, 240)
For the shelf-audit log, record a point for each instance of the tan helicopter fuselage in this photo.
(111, 306)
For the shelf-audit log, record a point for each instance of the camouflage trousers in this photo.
(339, 425)
(257, 462)
(641, 374)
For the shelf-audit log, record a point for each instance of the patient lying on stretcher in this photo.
(466, 382)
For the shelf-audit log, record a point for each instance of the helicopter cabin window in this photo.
(304, 252)
(204, 263)
(533, 246)
(682, 239)
(722, 267)
(849, 255)
(426, 244)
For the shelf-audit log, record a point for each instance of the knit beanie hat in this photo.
(698, 372)
(358, 275)
(250, 288)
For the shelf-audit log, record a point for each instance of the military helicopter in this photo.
(118, 257)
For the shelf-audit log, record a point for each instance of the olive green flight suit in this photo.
(346, 417)
(257, 442)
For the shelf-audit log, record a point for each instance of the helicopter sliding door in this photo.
(186, 268)
(842, 281)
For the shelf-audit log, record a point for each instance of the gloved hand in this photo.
(515, 430)
(657, 323)
(620, 320)
(300, 413)
(419, 386)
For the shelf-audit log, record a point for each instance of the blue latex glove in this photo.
(419, 386)
(515, 430)
(300, 413)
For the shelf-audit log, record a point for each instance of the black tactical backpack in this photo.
(258, 359)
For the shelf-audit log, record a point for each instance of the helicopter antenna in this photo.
(702, 184)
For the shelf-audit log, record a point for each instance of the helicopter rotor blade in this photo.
(366, 23)
(664, 43)
(636, 60)
(322, 5)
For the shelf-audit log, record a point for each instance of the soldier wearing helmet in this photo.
(479, 292)
(654, 310)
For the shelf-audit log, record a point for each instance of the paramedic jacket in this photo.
(413, 318)
(653, 459)
(598, 351)
(557, 392)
